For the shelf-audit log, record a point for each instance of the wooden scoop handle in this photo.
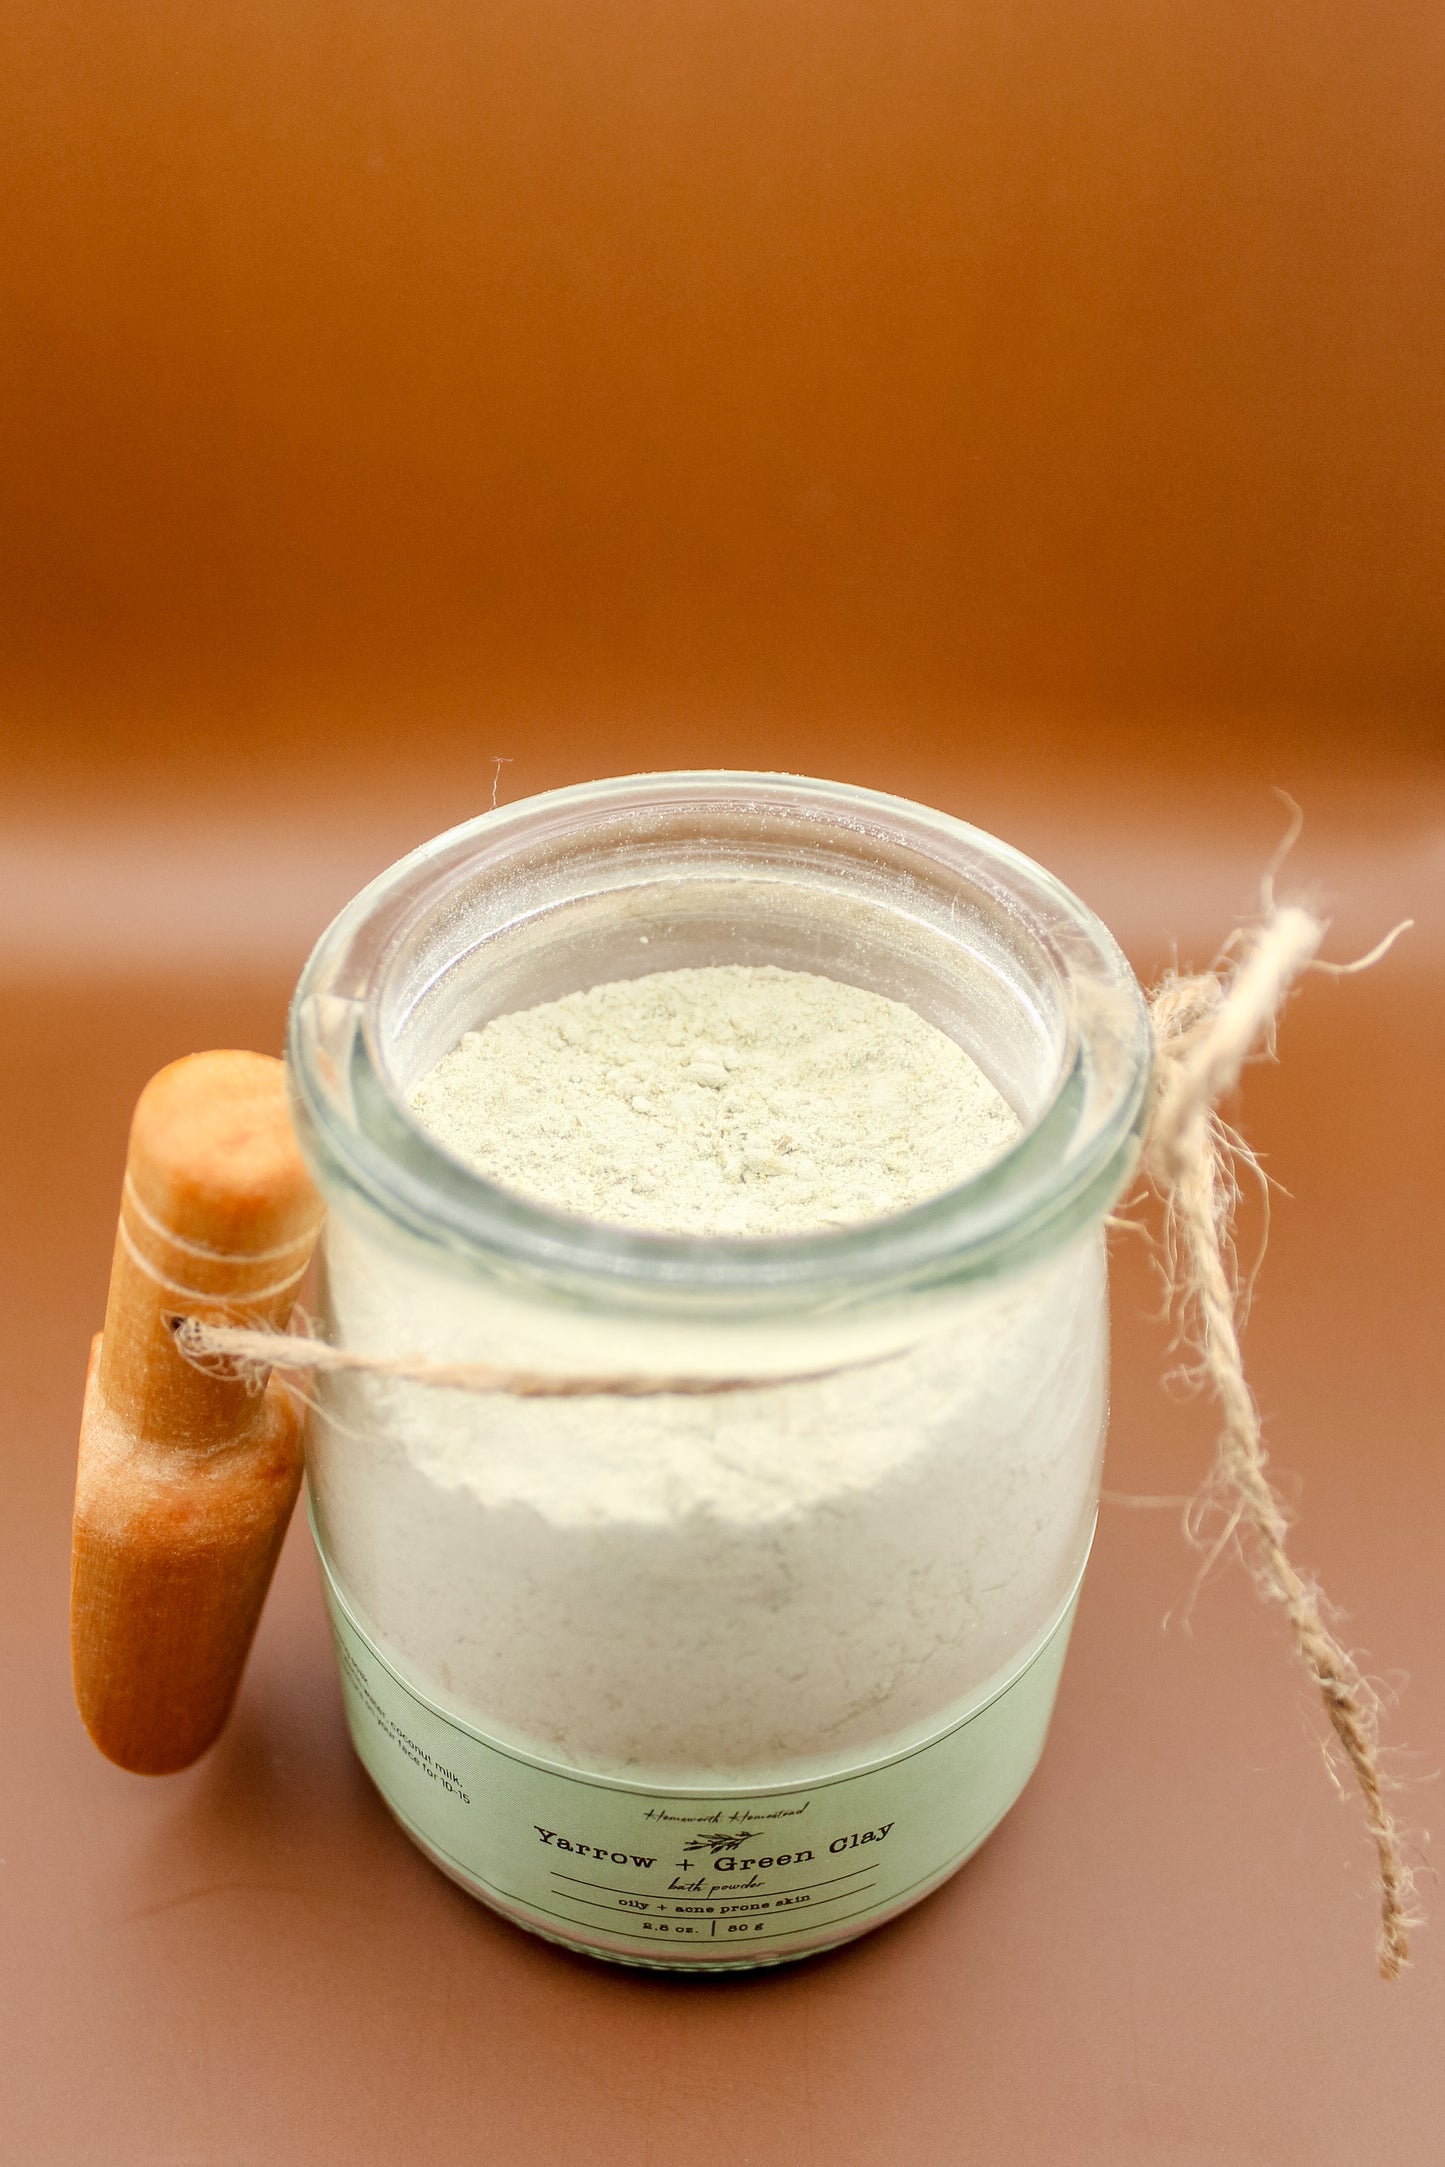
(187, 1477)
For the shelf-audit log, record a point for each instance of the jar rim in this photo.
(1059, 1177)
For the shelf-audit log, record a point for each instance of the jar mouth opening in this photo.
(551, 893)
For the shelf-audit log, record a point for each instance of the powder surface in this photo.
(733, 1099)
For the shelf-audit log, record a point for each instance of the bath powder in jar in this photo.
(588, 1642)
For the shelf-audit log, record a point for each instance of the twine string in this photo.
(255, 1353)
(1206, 1027)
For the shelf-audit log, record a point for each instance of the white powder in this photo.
(741, 1586)
(734, 1100)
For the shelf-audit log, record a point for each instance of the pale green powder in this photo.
(734, 1100)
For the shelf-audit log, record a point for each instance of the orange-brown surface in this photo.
(441, 361)
(1033, 410)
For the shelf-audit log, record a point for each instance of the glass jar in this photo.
(726, 1678)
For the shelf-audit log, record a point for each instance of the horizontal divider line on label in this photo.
(641, 1934)
(584, 1883)
(758, 1904)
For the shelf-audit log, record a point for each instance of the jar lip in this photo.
(1060, 1176)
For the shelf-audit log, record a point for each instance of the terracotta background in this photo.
(1033, 409)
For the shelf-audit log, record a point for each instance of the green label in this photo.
(682, 1876)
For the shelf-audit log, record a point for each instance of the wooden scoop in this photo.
(187, 1476)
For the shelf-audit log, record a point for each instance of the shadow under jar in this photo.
(712, 1680)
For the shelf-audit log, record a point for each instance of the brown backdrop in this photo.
(1036, 409)
(818, 353)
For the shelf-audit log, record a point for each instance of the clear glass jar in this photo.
(703, 1681)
